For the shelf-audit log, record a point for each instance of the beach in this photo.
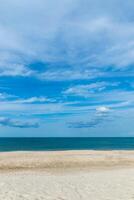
(67, 175)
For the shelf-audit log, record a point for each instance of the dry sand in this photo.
(71, 175)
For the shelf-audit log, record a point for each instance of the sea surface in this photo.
(54, 144)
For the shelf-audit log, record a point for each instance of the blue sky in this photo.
(66, 68)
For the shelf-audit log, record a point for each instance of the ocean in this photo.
(58, 144)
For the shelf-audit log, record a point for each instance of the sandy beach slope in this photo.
(65, 160)
(71, 175)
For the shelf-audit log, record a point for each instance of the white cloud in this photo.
(102, 109)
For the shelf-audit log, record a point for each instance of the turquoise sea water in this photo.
(49, 144)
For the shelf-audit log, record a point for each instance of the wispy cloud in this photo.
(84, 36)
(4, 96)
(88, 89)
(4, 121)
(65, 74)
(39, 99)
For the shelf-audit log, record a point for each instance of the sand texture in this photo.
(71, 175)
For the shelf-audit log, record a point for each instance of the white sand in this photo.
(96, 185)
(96, 180)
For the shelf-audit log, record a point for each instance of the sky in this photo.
(66, 68)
